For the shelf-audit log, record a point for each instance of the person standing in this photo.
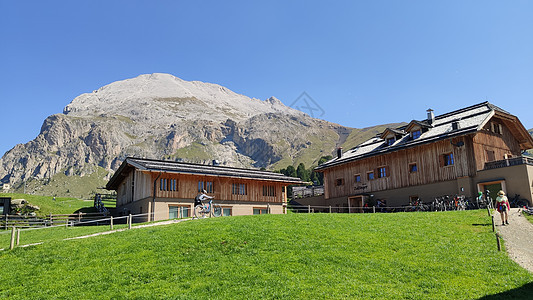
(503, 207)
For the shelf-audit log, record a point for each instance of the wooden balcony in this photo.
(508, 162)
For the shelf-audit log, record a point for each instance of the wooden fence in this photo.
(9, 221)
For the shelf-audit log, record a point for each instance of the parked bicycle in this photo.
(517, 202)
(209, 209)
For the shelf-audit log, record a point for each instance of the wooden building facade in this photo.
(166, 189)
(454, 153)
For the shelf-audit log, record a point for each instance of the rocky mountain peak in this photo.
(161, 116)
(165, 97)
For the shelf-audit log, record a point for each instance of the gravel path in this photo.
(518, 237)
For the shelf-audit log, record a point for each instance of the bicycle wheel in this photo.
(217, 210)
(522, 203)
(199, 212)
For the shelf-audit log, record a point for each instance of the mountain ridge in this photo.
(160, 116)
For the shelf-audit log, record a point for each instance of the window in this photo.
(370, 175)
(413, 168)
(166, 184)
(391, 141)
(260, 211)
(173, 185)
(496, 128)
(239, 189)
(357, 178)
(382, 172)
(416, 134)
(176, 211)
(339, 181)
(269, 191)
(490, 155)
(206, 185)
(226, 211)
(448, 159)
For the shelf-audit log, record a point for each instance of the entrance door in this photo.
(494, 187)
(355, 204)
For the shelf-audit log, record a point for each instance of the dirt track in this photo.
(518, 237)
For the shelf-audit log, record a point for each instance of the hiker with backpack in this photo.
(503, 207)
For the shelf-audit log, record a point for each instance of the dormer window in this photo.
(391, 135)
(416, 134)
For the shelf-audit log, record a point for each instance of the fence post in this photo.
(488, 210)
(51, 220)
(111, 222)
(268, 208)
(5, 224)
(79, 216)
(12, 244)
(308, 209)
(493, 229)
(66, 222)
(18, 236)
(330, 209)
(373, 209)
(498, 242)
(129, 221)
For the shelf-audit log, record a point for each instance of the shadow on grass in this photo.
(489, 224)
(523, 292)
(86, 210)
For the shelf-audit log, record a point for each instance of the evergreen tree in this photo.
(315, 177)
(291, 171)
(302, 172)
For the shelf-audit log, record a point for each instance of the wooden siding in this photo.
(428, 159)
(500, 143)
(187, 188)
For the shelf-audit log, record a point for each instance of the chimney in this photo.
(431, 116)
(339, 152)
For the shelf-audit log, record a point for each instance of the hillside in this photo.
(160, 116)
(448, 255)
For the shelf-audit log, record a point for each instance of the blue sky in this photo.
(363, 62)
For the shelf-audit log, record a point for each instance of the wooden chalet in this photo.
(462, 152)
(166, 189)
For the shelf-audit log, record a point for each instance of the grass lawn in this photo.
(48, 205)
(445, 255)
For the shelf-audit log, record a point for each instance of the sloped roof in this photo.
(469, 119)
(195, 169)
(393, 131)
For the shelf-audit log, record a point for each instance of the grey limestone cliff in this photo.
(163, 117)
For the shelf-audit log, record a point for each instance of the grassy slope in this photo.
(357, 136)
(449, 255)
(48, 206)
(69, 186)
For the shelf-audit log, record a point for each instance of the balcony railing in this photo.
(508, 162)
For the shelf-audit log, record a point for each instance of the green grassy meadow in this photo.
(47, 204)
(444, 255)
